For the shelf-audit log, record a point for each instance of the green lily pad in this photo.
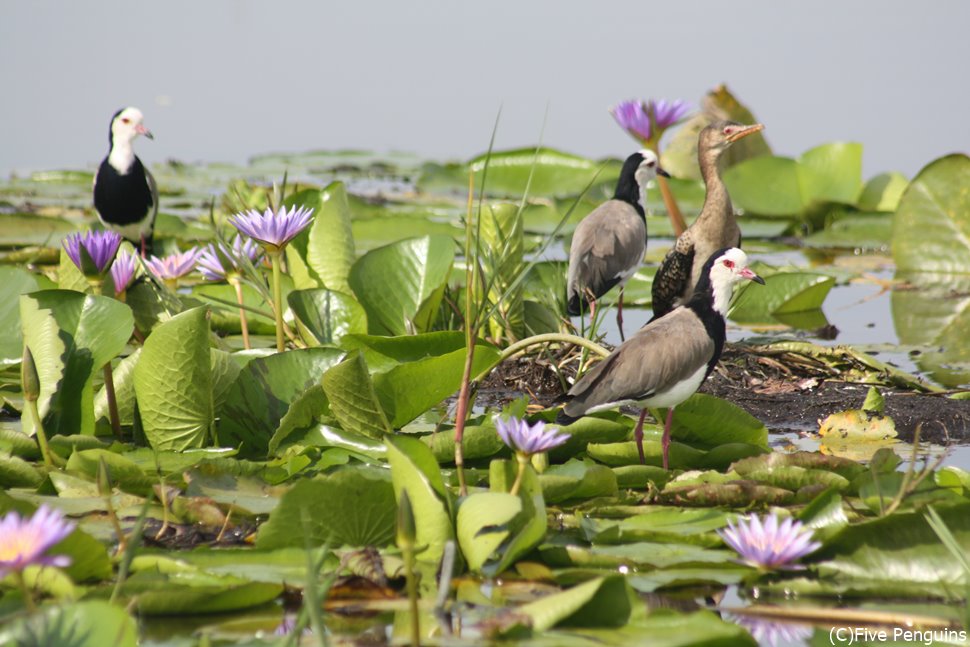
(931, 230)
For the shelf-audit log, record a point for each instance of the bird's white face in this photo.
(730, 268)
(128, 125)
(648, 167)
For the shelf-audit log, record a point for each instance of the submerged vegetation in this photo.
(288, 448)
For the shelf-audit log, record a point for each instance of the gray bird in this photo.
(716, 227)
(668, 359)
(608, 245)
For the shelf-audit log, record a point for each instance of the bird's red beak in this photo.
(744, 132)
(751, 276)
(141, 130)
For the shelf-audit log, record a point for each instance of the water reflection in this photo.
(933, 311)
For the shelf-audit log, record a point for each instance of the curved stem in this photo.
(109, 391)
(243, 323)
(45, 449)
(552, 337)
(278, 300)
(676, 217)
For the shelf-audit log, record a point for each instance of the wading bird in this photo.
(609, 243)
(125, 194)
(666, 361)
(716, 227)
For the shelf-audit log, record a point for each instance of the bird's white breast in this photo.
(678, 392)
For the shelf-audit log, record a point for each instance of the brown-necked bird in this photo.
(715, 228)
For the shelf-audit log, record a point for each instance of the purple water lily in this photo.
(24, 542)
(770, 544)
(174, 266)
(648, 120)
(100, 248)
(273, 229)
(123, 272)
(215, 263)
(527, 439)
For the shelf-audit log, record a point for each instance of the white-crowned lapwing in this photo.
(666, 361)
(716, 226)
(608, 245)
(125, 194)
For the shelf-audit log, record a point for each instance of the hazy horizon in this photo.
(228, 79)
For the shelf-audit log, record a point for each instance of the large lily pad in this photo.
(71, 336)
(931, 231)
(173, 383)
(400, 285)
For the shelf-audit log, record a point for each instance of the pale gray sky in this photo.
(220, 80)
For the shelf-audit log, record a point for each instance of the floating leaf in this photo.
(931, 231)
(883, 192)
(71, 336)
(352, 506)
(577, 480)
(783, 293)
(193, 593)
(553, 173)
(352, 398)
(263, 391)
(91, 623)
(400, 285)
(173, 383)
(857, 424)
(601, 602)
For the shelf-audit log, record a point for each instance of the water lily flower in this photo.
(770, 544)
(527, 439)
(647, 121)
(216, 263)
(24, 542)
(123, 272)
(92, 251)
(174, 266)
(273, 229)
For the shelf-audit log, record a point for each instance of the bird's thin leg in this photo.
(592, 312)
(638, 436)
(665, 441)
(143, 245)
(619, 316)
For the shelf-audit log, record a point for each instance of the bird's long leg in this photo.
(143, 246)
(619, 316)
(592, 312)
(638, 436)
(665, 441)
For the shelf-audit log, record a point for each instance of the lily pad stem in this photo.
(18, 576)
(676, 217)
(552, 337)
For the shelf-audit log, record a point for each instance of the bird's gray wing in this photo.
(607, 244)
(673, 277)
(659, 355)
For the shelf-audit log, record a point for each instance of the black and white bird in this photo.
(609, 243)
(668, 359)
(125, 194)
(716, 226)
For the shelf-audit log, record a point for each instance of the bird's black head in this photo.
(638, 169)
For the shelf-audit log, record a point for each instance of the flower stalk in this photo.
(277, 262)
(30, 382)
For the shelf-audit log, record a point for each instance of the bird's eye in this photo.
(651, 164)
(729, 264)
(728, 130)
(125, 120)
